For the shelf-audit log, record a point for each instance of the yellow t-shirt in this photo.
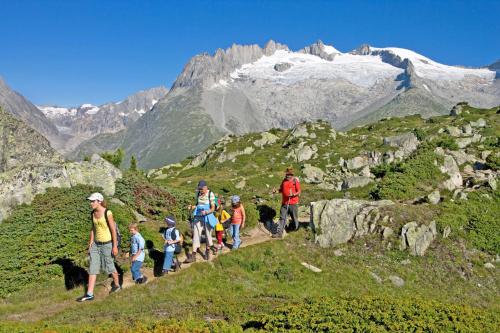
(101, 229)
(221, 217)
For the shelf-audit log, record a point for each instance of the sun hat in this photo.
(96, 196)
(235, 199)
(170, 220)
(202, 184)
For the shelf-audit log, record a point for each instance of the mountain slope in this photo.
(29, 165)
(452, 287)
(15, 104)
(247, 88)
(87, 121)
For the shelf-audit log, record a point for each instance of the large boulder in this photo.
(20, 185)
(303, 152)
(450, 168)
(337, 221)
(356, 162)
(299, 131)
(97, 172)
(417, 239)
(312, 174)
(266, 139)
(231, 156)
(407, 143)
(356, 181)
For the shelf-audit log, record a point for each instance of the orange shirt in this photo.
(288, 187)
(237, 217)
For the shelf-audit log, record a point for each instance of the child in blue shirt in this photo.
(137, 244)
(169, 235)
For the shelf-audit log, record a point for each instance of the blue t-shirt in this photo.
(136, 243)
(168, 236)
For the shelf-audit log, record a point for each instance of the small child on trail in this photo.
(223, 218)
(237, 220)
(137, 245)
(169, 235)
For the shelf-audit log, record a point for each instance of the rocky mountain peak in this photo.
(321, 50)
(205, 70)
(363, 49)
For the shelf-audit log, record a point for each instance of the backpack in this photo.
(216, 199)
(178, 246)
(295, 180)
(118, 234)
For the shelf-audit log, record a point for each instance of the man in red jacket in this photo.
(290, 192)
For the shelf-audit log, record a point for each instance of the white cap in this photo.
(96, 196)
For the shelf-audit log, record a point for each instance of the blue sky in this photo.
(72, 52)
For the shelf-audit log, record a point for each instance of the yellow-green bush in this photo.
(370, 314)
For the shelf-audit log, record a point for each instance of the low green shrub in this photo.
(150, 199)
(370, 314)
(410, 179)
(475, 219)
(55, 225)
(493, 161)
(115, 158)
(447, 142)
(163, 326)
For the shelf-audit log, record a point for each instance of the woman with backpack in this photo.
(103, 245)
(203, 220)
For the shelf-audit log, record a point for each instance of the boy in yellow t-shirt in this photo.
(222, 216)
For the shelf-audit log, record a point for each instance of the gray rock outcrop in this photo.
(434, 197)
(282, 66)
(417, 238)
(29, 166)
(407, 143)
(266, 139)
(356, 181)
(312, 174)
(450, 168)
(339, 220)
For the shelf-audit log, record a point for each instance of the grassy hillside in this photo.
(265, 287)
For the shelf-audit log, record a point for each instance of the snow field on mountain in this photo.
(363, 71)
(429, 69)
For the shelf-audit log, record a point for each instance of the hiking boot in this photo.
(201, 254)
(191, 257)
(114, 288)
(142, 280)
(177, 265)
(85, 297)
(214, 250)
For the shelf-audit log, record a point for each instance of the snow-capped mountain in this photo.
(249, 88)
(86, 121)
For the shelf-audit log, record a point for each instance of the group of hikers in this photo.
(207, 214)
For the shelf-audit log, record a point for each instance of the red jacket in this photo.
(288, 187)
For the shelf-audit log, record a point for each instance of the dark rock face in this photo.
(18, 106)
